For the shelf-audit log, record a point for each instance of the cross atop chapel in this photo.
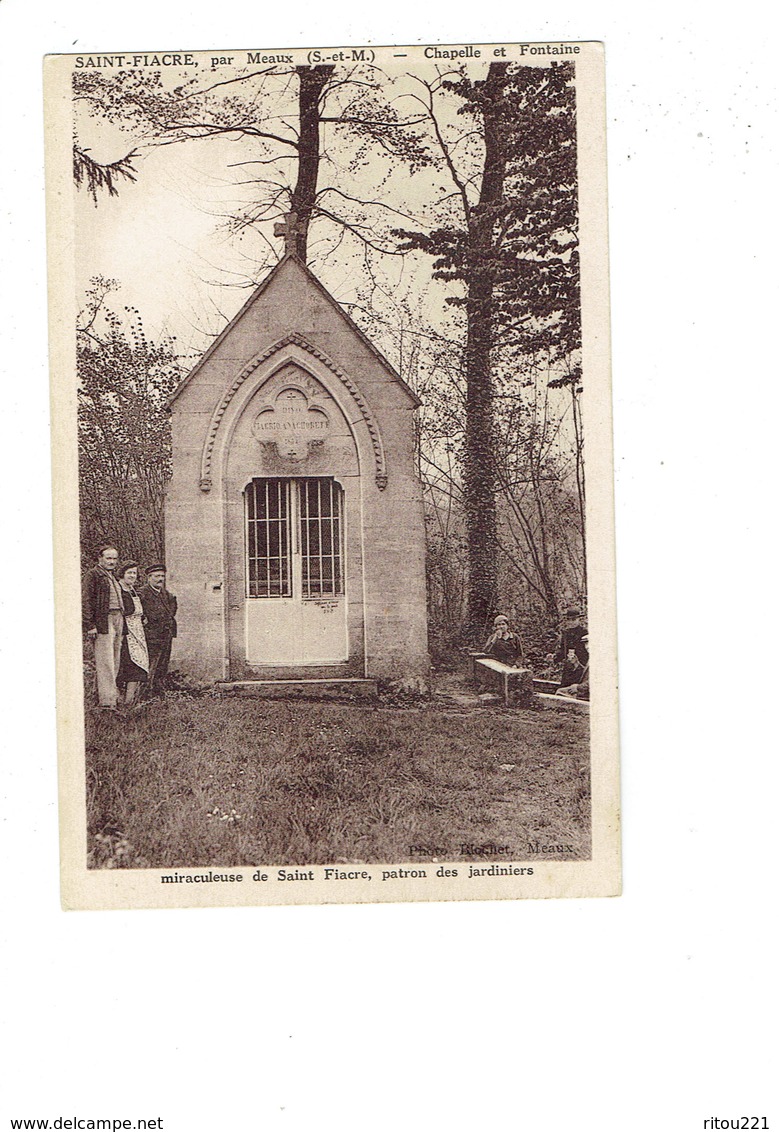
(288, 228)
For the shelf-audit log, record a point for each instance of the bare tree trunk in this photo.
(312, 82)
(479, 479)
(580, 488)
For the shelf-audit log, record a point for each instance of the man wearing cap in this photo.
(572, 638)
(159, 612)
(103, 619)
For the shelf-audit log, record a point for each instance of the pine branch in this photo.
(102, 177)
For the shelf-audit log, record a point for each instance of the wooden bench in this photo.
(564, 702)
(547, 686)
(512, 684)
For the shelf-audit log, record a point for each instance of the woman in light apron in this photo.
(134, 660)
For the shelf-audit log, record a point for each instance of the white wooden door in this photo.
(295, 598)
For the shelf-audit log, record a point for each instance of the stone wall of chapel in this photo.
(392, 519)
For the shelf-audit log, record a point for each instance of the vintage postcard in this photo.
(333, 475)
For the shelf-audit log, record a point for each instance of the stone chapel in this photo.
(294, 524)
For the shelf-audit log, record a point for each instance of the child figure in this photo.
(503, 644)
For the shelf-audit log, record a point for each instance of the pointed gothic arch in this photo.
(343, 390)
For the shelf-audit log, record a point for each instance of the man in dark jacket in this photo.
(573, 636)
(572, 649)
(159, 612)
(103, 619)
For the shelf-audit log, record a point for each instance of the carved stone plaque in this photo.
(292, 425)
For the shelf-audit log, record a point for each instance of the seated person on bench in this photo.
(576, 676)
(503, 644)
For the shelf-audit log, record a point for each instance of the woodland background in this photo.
(441, 210)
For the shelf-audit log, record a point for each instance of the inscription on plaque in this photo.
(292, 425)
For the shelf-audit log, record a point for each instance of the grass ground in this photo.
(216, 780)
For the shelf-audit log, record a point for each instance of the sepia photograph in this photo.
(330, 357)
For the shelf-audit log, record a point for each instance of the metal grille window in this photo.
(269, 551)
(321, 538)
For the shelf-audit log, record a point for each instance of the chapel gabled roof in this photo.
(333, 303)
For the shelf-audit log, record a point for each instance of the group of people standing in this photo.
(132, 629)
(572, 651)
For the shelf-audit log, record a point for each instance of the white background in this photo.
(652, 1011)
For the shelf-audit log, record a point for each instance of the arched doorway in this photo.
(295, 599)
